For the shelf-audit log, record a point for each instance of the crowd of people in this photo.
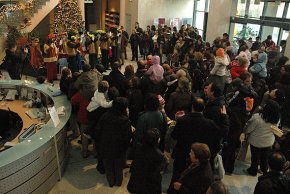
(188, 100)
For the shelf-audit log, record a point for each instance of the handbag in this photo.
(219, 169)
(243, 150)
(278, 132)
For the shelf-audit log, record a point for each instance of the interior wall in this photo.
(218, 23)
(43, 28)
(150, 9)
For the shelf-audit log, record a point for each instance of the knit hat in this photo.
(220, 52)
(161, 100)
(155, 60)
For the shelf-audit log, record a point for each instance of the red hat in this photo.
(161, 100)
(51, 36)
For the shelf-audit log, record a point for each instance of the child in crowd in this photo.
(155, 71)
(238, 67)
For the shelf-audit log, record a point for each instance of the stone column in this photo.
(218, 23)
(287, 50)
(122, 13)
(81, 4)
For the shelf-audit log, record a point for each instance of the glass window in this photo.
(288, 13)
(255, 10)
(199, 20)
(275, 9)
(285, 35)
(270, 31)
(241, 8)
(200, 5)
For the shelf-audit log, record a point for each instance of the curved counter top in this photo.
(35, 164)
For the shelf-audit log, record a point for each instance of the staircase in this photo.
(25, 15)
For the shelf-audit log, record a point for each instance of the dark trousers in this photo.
(114, 54)
(105, 58)
(72, 64)
(233, 141)
(114, 170)
(125, 52)
(134, 52)
(259, 156)
(93, 59)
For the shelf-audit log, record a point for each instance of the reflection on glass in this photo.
(199, 20)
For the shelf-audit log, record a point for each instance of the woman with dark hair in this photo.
(114, 129)
(198, 176)
(146, 166)
(261, 137)
(180, 100)
(150, 118)
(129, 72)
(135, 99)
(65, 80)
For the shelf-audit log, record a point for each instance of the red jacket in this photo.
(82, 103)
(236, 69)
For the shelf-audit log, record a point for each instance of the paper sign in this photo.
(54, 116)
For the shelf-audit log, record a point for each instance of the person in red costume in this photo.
(36, 59)
(50, 58)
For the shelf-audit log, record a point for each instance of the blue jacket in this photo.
(259, 68)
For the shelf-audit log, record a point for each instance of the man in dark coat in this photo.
(213, 107)
(117, 79)
(274, 181)
(191, 128)
(114, 129)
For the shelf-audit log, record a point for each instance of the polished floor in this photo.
(81, 176)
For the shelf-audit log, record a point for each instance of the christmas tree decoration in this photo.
(67, 17)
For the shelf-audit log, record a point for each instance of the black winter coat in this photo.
(193, 128)
(115, 134)
(12, 63)
(118, 80)
(145, 171)
(212, 111)
(273, 182)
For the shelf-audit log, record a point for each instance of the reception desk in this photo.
(37, 163)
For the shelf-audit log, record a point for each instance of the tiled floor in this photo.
(80, 175)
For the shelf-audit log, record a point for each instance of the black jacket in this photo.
(118, 80)
(12, 63)
(114, 135)
(145, 171)
(273, 182)
(212, 111)
(193, 128)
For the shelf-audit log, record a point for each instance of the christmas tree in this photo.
(67, 17)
